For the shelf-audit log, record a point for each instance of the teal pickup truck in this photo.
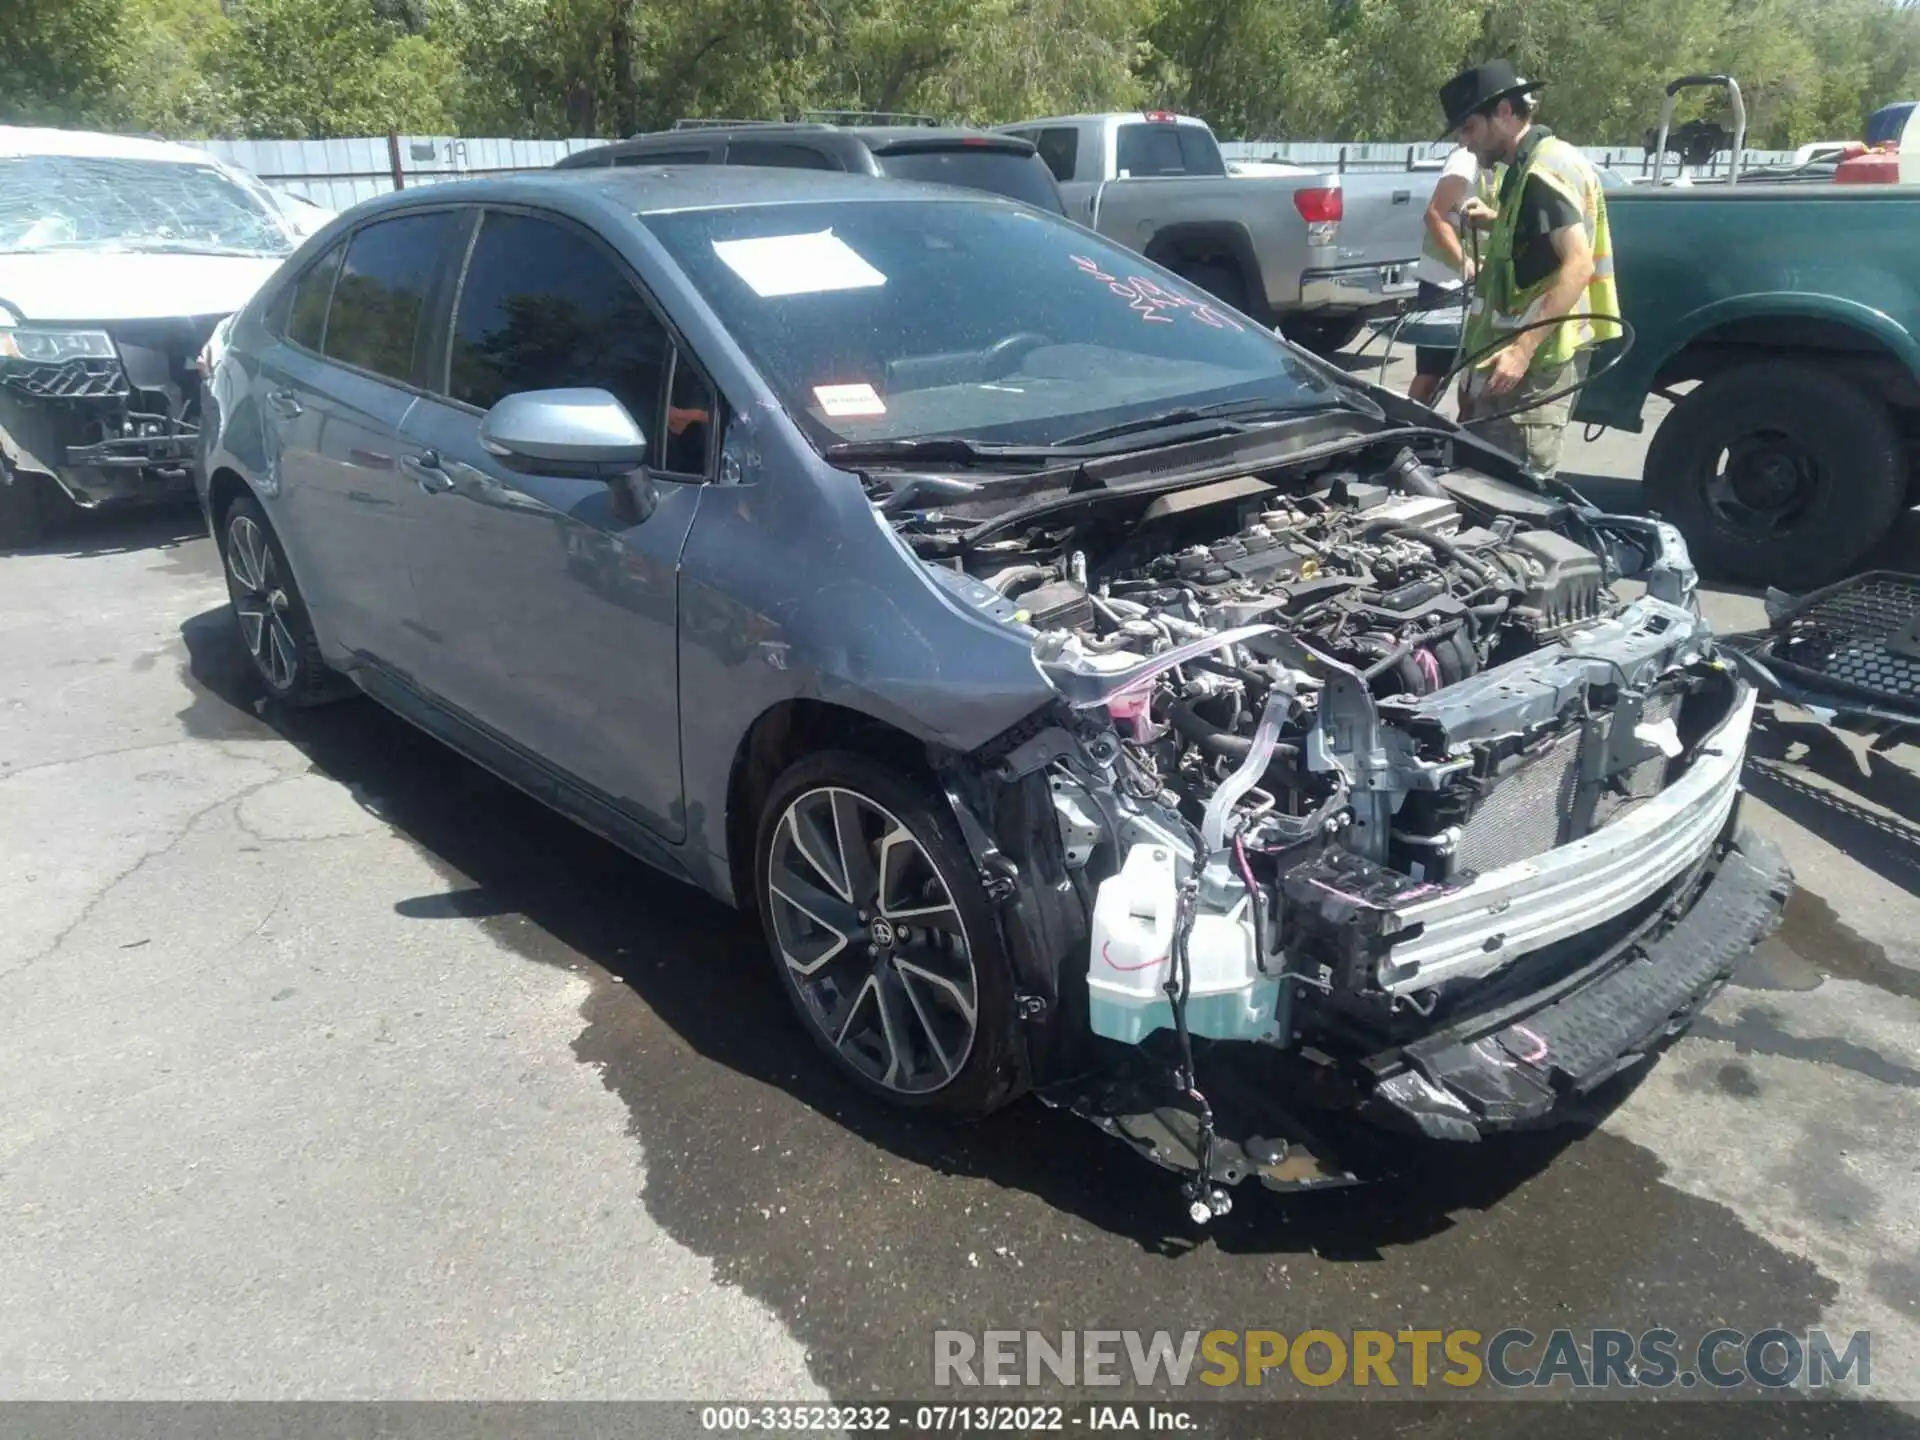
(1797, 309)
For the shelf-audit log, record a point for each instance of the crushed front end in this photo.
(108, 412)
(1380, 797)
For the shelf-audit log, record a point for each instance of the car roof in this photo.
(872, 136)
(1164, 117)
(18, 140)
(662, 189)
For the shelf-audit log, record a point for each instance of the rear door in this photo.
(338, 393)
(552, 604)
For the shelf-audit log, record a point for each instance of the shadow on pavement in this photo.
(863, 1229)
(701, 968)
(1884, 836)
(79, 534)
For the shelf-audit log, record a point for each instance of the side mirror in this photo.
(577, 433)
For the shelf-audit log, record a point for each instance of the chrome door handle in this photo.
(284, 403)
(424, 470)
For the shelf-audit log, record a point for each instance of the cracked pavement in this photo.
(332, 1067)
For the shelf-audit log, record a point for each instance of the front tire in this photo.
(882, 937)
(275, 629)
(1780, 473)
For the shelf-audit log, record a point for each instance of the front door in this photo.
(551, 608)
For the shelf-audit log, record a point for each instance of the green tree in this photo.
(56, 60)
(162, 81)
(307, 69)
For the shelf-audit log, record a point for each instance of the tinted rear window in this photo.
(664, 157)
(374, 322)
(777, 153)
(1003, 172)
(307, 313)
(1157, 148)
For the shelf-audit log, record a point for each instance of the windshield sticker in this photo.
(775, 265)
(840, 401)
(1155, 303)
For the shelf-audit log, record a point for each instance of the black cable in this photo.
(1612, 359)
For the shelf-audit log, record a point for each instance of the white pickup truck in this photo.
(1315, 253)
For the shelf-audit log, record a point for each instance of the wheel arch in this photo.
(783, 733)
(224, 486)
(1210, 243)
(1876, 349)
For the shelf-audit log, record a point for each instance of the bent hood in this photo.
(109, 285)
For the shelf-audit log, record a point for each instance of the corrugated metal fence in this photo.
(340, 173)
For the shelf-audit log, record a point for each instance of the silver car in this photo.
(1092, 694)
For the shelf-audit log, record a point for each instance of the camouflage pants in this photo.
(1535, 435)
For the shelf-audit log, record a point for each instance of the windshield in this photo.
(69, 202)
(903, 319)
(1003, 172)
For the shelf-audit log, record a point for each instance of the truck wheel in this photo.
(22, 517)
(1779, 473)
(1322, 334)
(882, 936)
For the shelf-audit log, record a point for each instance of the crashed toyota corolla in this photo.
(1094, 696)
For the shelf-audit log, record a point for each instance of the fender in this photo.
(1230, 236)
(1619, 398)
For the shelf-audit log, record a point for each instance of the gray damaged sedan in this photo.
(1093, 695)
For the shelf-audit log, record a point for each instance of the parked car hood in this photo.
(116, 285)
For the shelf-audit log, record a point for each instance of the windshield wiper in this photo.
(936, 450)
(1225, 411)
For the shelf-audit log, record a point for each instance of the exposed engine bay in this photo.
(1349, 757)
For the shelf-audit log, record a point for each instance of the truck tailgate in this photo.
(1383, 219)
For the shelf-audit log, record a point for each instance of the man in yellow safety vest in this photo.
(1548, 257)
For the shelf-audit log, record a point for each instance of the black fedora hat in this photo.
(1478, 86)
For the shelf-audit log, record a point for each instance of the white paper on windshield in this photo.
(797, 264)
(842, 400)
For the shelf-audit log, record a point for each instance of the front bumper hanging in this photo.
(1850, 649)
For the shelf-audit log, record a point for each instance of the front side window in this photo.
(391, 265)
(89, 203)
(898, 318)
(545, 308)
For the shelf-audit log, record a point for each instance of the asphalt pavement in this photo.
(330, 1066)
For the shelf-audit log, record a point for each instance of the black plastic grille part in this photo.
(1850, 635)
(79, 379)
